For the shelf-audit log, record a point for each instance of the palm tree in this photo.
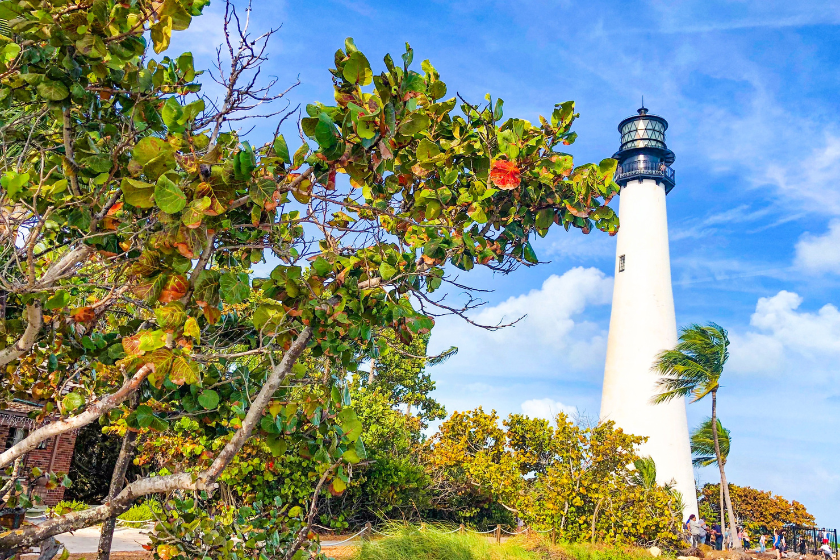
(703, 452)
(644, 473)
(694, 368)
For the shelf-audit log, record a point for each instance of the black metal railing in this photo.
(807, 540)
(645, 168)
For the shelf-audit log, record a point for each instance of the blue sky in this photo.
(750, 91)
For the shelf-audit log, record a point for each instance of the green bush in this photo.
(66, 506)
(142, 513)
(433, 543)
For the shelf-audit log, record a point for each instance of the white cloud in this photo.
(547, 409)
(820, 253)
(787, 339)
(554, 339)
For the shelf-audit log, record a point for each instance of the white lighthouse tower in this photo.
(642, 323)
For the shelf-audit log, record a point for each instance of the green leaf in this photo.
(281, 150)
(350, 424)
(545, 218)
(300, 155)
(52, 91)
(322, 266)
(325, 133)
(58, 300)
(149, 148)
(529, 254)
(387, 271)
(295, 511)
(351, 456)
(207, 287)
(261, 191)
(172, 113)
(144, 416)
(194, 214)
(152, 340)
(268, 317)
(161, 33)
(357, 69)
(168, 196)
(209, 399)
(72, 401)
(415, 123)
(91, 45)
(426, 150)
(234, 287)
(137, 193)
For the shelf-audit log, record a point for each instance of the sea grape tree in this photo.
(132, 212)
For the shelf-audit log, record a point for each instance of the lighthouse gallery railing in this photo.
(646, 168)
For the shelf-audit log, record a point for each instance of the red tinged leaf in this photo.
(84, 315)
(504, 174)
(175, 288)
(131, 345)
(212, 314)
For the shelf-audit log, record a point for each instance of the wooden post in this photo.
(553, 536)
(498, 534)
(461, 528)
(368, 532)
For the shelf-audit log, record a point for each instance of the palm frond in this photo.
(694, 366)
(703, 444)
(644, 473)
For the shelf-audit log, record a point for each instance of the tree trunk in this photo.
(129, 444)
(733, 527)
(721, 510)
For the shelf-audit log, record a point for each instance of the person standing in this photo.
(745, 538)
(777, 543)
(718, 536)
(762, 543)
(695, 530)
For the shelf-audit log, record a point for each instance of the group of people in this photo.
(718, 539)
(701, 533)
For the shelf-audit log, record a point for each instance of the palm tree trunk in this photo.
(736, 542)
(721, 510)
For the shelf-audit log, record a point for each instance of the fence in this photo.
(807, 540)
(368, 531)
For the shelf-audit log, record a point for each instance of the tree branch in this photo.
(92, 413)
(34, 318)
(204, 480)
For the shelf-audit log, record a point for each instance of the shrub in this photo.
(142, 513)
(66, 506)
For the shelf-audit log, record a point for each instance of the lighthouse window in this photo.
(621, 263)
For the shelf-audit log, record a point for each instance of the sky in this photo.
(749, 88)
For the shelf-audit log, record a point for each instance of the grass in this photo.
(409, 543)
(434, 543)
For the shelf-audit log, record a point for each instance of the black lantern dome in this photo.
(643, 152)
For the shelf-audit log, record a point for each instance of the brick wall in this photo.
(41, 458)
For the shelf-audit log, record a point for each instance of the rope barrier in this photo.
(515, 533)
(482, 532)
(347, 539)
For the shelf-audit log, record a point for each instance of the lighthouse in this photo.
(642, 322)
